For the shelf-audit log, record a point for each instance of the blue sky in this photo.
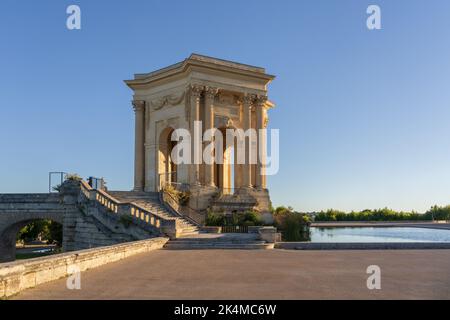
(363, 115)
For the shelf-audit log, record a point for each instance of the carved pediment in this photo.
(168, 100)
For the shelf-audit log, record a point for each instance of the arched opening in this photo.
(167, 169)
(30, 239)
(225, 170)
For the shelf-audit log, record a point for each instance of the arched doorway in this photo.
(167, 169)
(224, 169)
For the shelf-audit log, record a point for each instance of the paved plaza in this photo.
(261, 274)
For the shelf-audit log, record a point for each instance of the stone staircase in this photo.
(151, 202)
(227, 241)
(189, 237)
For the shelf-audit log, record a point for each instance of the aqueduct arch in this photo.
(18, 210)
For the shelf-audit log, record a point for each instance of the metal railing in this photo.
(167, 178)
(173, 204)
(60, 175)
(235, 229)
(97, 183)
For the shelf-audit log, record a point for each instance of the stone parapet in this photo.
(21, 275)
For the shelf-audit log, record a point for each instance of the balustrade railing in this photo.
(126, 208)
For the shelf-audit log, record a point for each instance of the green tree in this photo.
(45, 230)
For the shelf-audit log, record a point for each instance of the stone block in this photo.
(269, 234)
(211, 229)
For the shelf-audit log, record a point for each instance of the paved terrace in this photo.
(261, 274)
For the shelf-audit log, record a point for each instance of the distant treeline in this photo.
(436, 213)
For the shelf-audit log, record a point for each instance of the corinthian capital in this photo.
(196, 90)
(248, 99)
(138, 105)
(211, 92)
(260, 100)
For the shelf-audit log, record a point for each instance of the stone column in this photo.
(139, 148)
(264, 149)
(196, 92)
(260, 105)
(210, 94)
(150, 173)
(247, 115)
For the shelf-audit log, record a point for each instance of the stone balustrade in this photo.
(20, 275)
(139, 214)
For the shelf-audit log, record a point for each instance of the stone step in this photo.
(192, 233)
(190, 229)
(176, 245)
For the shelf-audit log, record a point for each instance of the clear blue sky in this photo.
(363, 115)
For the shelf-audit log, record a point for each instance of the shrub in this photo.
(294, 226)
(73, 177)
(181, 196)
(249, 218)
(214, 219)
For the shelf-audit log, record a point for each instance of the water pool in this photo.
(379, 234)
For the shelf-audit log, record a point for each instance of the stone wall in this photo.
(21, 275)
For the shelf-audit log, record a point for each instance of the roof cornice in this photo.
(199, 61)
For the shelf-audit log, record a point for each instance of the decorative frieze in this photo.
(168, 100)
(226, 99)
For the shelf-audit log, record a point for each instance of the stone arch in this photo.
(12, 222)
(167, 169)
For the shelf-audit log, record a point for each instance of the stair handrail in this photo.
(173, 210)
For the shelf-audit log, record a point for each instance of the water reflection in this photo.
(378, 234)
